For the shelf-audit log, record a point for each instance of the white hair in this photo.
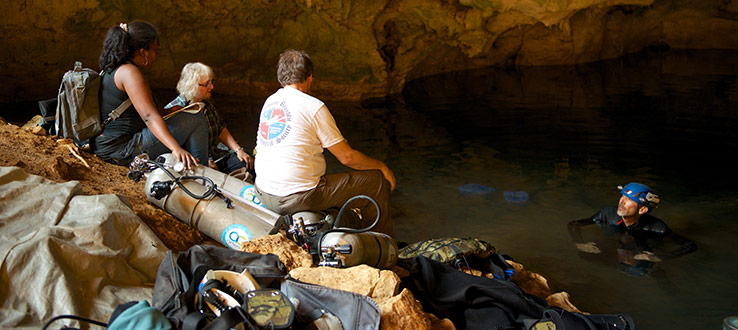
(190, 79)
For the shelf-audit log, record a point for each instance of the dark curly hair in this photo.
(119, 45)
(295, 66)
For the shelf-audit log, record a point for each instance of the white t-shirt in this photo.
(294, 128)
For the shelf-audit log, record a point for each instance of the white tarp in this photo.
(65, 253)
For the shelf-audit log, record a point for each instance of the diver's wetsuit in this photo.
(647, 233)
(647, 225)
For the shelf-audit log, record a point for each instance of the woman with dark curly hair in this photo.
(127, 50)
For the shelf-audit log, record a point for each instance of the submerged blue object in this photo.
(473, 188)
(641, 194)
(516, 196)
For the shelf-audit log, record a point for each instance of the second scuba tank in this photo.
(346, 249)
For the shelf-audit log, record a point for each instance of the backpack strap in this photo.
(118, 111)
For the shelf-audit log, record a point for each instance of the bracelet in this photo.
(239, 149)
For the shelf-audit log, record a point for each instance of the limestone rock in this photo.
(403, 311)
(440, 324)
(387, 285)
(38, 130)
(288, 252)
(362, 279)
(31, 124)
(531, 283)
(399, 311)
(561, 299)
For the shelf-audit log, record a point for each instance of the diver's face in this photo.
(627, 207)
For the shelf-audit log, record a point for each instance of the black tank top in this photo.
(111, 97)
(119, 140)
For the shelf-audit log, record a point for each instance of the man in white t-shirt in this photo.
(294, 128)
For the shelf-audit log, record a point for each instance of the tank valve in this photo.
(331, 255)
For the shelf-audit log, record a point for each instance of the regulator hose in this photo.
(178, 181)
(343, 208)
(350, 230)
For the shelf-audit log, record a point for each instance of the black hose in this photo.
(74, 317)
(211, 188)
(350, 230)
(340, 213)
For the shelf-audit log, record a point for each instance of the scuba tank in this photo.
(193, 197)
(346, 249)
(335, 246)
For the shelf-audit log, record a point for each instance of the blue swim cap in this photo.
(641, 194)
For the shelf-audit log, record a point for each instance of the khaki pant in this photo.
(334, 190)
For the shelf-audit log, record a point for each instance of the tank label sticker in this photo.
(248, 192)
(235, 235)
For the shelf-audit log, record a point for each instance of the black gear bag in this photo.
(178, 278)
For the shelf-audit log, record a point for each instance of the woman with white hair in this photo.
(196, 85)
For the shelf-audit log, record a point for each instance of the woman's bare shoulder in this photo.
(127, 75)
(128, 69)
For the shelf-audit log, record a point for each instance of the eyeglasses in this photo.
(207, 84)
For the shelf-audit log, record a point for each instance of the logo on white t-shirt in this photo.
(273, 124)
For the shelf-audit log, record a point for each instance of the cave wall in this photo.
(361, 49)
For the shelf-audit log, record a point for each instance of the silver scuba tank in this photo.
(347, 249)
(229, 223)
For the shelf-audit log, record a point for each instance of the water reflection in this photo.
(567, 136)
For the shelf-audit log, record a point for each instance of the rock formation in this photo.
(362, 49)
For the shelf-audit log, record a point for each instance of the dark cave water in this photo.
(567, 136)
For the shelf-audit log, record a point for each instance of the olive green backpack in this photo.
(462, 253)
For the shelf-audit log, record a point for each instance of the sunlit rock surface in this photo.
(398, 310)
(278, 244)
(361, 49)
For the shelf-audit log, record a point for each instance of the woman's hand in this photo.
(245, 157)
(185, 157)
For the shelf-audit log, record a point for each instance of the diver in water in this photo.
(642, 239)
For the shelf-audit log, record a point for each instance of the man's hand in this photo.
(390, 176)
(647, 256)
(212, 164)
(589, 247)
